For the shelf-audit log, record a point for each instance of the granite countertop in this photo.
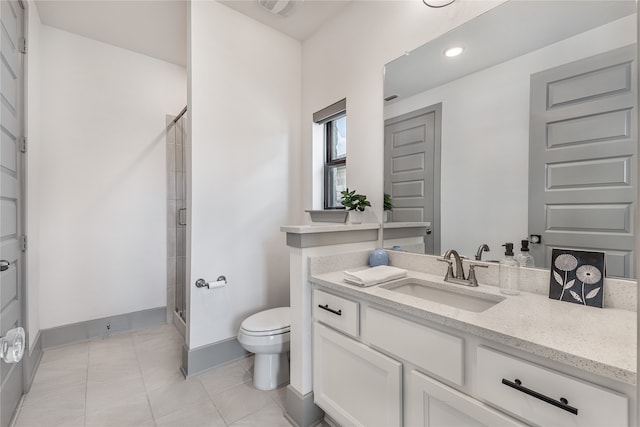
(599, 341)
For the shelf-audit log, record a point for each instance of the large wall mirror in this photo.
(530, 130)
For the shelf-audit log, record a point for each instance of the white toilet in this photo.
(266, 334)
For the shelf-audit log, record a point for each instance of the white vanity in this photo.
(386, 358)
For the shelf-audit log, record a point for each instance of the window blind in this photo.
(330, 112)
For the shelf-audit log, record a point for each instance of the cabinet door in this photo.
(355, 385)
(433, 404)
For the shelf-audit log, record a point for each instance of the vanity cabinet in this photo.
(373, 367)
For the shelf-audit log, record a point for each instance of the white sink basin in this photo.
(464, 298)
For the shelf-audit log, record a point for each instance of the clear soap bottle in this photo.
(509, 272)
(524, 258)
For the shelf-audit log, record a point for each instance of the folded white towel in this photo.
(374, 275)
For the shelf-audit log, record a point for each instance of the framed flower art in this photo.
(577, 277)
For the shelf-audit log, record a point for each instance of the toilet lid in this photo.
(272, 320)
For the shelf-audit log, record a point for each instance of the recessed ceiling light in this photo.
(453, 51)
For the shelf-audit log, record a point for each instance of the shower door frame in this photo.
(176, 221)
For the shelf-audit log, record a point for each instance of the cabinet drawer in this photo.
(545, 397)
(436, 352)
(337, 312)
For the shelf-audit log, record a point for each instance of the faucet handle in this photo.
(473, 281)
(449, 274)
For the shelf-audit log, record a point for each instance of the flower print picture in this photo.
(577, 277)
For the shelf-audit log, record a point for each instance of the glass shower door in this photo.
(177, 218)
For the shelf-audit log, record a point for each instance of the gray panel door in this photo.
(582, 159)
(11, 179)
(412, 169)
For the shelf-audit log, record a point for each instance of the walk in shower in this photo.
(176, 220)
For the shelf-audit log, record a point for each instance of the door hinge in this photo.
(22, 45)
(23, 243)
(22, 144)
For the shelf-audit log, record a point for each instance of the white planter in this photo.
(330, 215)
(385, 216)
(355, 217)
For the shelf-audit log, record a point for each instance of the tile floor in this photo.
(133, 380)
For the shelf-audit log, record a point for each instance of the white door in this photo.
(11, 188)
(433, 404)
(355, 385)
(412, 169)
(583, 160)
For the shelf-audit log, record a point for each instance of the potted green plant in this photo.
(355, 203)
(388, 207)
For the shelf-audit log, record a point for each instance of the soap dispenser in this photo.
(524, 258)
(509, 272)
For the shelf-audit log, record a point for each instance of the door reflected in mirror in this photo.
(538, 131)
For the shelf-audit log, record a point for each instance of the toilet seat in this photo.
(265, 333)
(275, 321)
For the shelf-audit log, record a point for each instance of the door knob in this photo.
(12, 345)
(4, 265)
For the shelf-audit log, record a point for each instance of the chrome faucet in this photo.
(456, 257)
(482, 247)
(458, 277)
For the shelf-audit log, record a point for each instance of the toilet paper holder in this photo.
(220, 282)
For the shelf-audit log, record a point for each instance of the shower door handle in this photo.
(182, 216)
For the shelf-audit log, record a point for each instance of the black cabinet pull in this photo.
(562, 403)
(4, 265)
(326, 307)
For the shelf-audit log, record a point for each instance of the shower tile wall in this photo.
(176, 231)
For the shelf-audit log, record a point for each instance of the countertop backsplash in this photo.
(618, 293)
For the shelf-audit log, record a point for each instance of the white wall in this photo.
(345, 58)
(34, 136)
(244, 98)
(485, 140)
(102, 188)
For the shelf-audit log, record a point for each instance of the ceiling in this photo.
(158, 28)
(505, 32)
(301, 21)
(154, 28)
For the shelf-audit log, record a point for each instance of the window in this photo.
(334, 120)
(335, 167)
